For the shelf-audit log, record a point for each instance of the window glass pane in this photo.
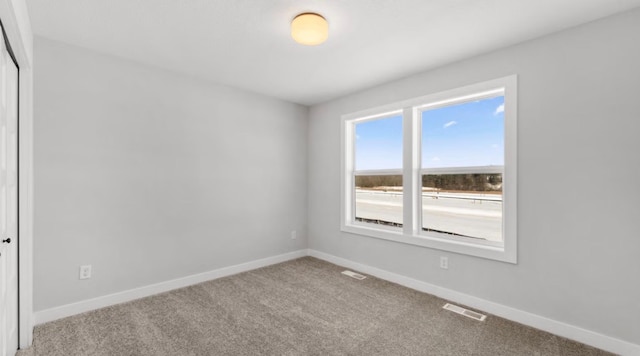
(379, 200)
(462, 135)
(466, 205)
(463, 146)
(379, 144)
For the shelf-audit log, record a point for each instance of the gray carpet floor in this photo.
(301, 307)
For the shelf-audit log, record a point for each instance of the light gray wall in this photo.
(578, 189)
(150, 176)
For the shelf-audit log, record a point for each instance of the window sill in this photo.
(433, 241)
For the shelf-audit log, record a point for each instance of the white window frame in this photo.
(411, 232)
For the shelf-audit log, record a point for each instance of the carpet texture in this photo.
(301, 307)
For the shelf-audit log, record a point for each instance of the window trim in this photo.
(411, 232)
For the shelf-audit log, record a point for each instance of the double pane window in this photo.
(438, 171)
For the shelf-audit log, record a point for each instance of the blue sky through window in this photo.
(465, 134)
(379, 144)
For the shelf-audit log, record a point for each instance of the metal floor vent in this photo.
(351, 274)
(466, 312)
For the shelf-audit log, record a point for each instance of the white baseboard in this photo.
(63, 311)
(584, 336)
(555, 327)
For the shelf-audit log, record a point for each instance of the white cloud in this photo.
(449, 124)
(435, 159)
(357, 137)
(495, 145)
(499, 109)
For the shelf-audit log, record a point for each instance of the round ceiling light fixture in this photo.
(309, 29)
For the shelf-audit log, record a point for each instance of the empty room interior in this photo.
(320, 177)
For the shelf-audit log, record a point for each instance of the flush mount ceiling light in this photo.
(309, 29)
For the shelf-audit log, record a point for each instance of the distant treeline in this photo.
(378, 181)
(465, 182)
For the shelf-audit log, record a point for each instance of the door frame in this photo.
(17, 27)
(16, 235)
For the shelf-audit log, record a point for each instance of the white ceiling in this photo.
(246, 43)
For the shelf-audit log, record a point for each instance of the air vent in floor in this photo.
(466, 312)
(354, 275)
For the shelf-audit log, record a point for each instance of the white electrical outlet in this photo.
(294, 235)
(444, 262)
(85, 272)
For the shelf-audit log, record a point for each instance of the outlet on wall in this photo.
(294, 235)
(444, 262)
(85, 272)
